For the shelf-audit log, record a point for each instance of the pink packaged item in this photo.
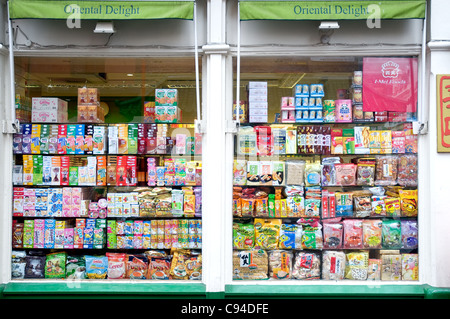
(353, 233)
(343, 111)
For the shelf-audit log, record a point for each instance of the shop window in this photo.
(325, 170)
(107, 170)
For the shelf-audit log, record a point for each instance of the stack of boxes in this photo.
(23, 108)
(166, 106)
(258, 102)
(308, 102)
(122, 204)
(89, 110)
(49, 110)
(149, 112)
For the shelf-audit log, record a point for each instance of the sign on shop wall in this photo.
(390, 84)
(443, 112)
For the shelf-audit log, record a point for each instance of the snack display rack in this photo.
(325, 191)
(93, 200)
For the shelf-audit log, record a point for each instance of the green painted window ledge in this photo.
(105, 289)
(338, 291)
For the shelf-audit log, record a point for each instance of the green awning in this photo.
(331, 10)
(100, 10)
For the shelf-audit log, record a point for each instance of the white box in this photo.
(257, 112)
(258, 119)
(258, 105)
(257, 85)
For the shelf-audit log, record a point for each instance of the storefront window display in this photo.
(107, 170)
(325, 170)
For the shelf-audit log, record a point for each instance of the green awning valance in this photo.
(331, 10)
(100, 10)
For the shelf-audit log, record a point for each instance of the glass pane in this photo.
(324, 187)
(107, 169)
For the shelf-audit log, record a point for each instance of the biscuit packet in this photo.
(333, 265)
(280, 264)
(307, 265)
(250, 265)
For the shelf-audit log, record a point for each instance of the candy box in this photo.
(343, 111)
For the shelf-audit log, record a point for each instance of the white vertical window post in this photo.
(214, 154)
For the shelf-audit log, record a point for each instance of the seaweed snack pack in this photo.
(280, 264)
(250, 265)
(333, 265)
(357, 265)
(243, 235)
(307, 265)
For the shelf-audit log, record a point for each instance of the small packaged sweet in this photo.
(409, 233)
(345, 174)
(343, 111)
(362, 202)
(55, 265)
(391, 266)
(96, 267)
(386, 170)
(407, 170)
(311, 233)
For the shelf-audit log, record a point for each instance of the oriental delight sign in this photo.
(443, 113)
(389, 84)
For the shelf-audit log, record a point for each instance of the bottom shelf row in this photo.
(387, 265)
(179, 264)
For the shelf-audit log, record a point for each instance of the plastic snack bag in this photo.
(96, 267)
(410, 267)
(34, 267)
(280, 264)
(407, 170)
(312, 174)
(333, 265)
(243, 235)
(386, 170)
(18, 264)
(332, 234)
(353, 234)
(250, 265)
(357, 265)
(55, 265)
(75, 267)
(344, 204)
(372, 233)
(295, 172)
(136, 267)
(116, 265)
(306, 266)
(267, 233)
(391, 234)
(374, 271)
(365, 172)
(408, 203)
(287, 236)
(410, 232)
(311, 234)
(362, 202)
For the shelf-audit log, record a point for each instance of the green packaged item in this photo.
(55, 265)
(391, 234)
(287, 236)
(243, 235)
(75, 267)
